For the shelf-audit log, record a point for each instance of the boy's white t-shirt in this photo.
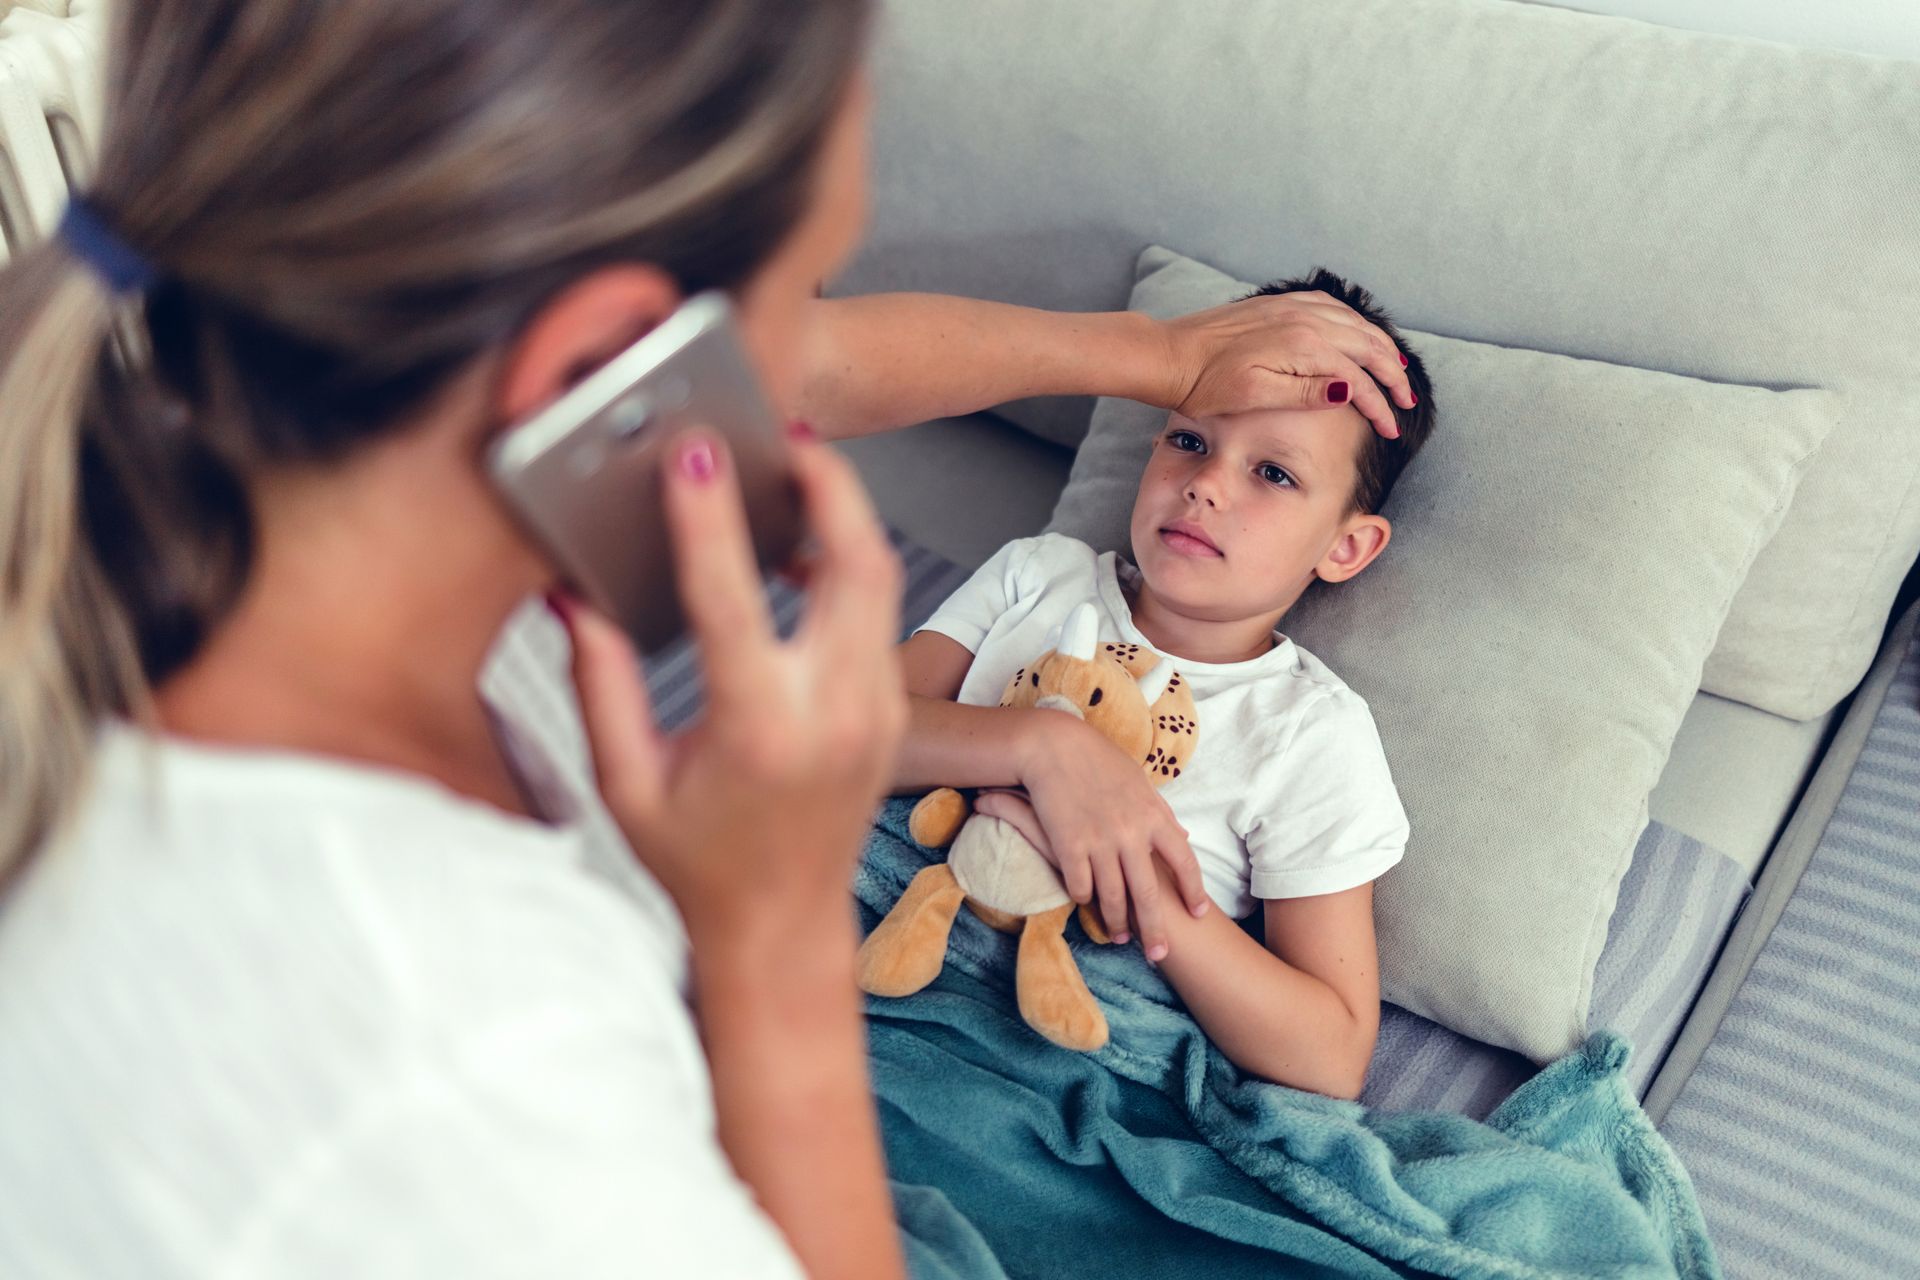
(1288, 794)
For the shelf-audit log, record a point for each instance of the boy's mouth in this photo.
(1189, 539)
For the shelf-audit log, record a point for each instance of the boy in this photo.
(1288, 803)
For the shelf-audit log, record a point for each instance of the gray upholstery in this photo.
(1499, 172)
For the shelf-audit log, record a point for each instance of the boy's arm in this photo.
(1302, 1011)
(949, 744)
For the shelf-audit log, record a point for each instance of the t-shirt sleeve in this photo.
(970, 612)
(1329, 817)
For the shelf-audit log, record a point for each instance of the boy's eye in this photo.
(1274, 475)
(1185, 441)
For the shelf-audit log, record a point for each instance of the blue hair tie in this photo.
(94, 242)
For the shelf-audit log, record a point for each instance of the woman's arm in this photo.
(885, 360)
(753, 822)
(785, 1037)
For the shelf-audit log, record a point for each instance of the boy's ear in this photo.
(1363, 538)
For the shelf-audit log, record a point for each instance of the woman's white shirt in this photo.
(268, 1014)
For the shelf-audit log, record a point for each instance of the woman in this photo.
(306, 967)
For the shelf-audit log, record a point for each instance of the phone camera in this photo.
(629, 416)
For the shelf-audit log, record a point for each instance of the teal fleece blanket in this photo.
(1157, 1157)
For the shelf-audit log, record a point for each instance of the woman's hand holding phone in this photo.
(756, 814)
(752, 820)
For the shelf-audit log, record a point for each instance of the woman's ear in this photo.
(579, 329)
(1362, 539)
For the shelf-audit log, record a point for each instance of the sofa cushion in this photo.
(1507, 173)
(1565, 548)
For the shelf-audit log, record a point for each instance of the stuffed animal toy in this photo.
(1133, 697)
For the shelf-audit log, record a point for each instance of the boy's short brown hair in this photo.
(1381, 460)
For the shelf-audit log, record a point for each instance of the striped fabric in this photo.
(674, 677)
(1801, 1122)
(1676, 900)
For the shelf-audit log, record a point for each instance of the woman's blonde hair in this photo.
(345, 202)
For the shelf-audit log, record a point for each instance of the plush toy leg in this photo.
(905, 951)
(1053, 996)
(1004, 921)
(936, 819)
(1096, 927)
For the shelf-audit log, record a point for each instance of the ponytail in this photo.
(67, 649)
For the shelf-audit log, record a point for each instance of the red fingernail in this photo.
(557, 603)
(1403, 362)
(1415, 395)
(1336, 393)
(802, 430)
(697, 462)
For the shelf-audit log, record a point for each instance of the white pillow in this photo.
(1565, 549)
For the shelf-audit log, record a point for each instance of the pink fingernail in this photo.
(1158, 954)
(697, 462)
(1337, 393)
(1123, 937)
(802, 430)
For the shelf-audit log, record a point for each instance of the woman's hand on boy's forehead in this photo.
(1284, 351)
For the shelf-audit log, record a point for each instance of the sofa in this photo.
(1727, 210)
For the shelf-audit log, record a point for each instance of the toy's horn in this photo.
(1081, 633)
(1155, 682)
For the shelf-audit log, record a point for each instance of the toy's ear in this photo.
(1080, 633)
(1155, 682)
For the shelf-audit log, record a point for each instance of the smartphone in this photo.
(583, 474)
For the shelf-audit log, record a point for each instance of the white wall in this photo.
(1889, 28)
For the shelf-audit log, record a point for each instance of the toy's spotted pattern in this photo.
(1176, 723)
(1124, 651)
(1158, 761)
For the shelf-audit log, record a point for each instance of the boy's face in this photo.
(1237, 514)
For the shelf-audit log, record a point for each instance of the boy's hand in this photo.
(1102, 823)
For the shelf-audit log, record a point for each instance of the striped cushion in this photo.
(1677, 901)
(1801, 1121)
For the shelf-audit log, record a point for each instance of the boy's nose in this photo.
(1204, 486)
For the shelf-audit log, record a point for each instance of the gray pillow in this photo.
(1565, 549)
